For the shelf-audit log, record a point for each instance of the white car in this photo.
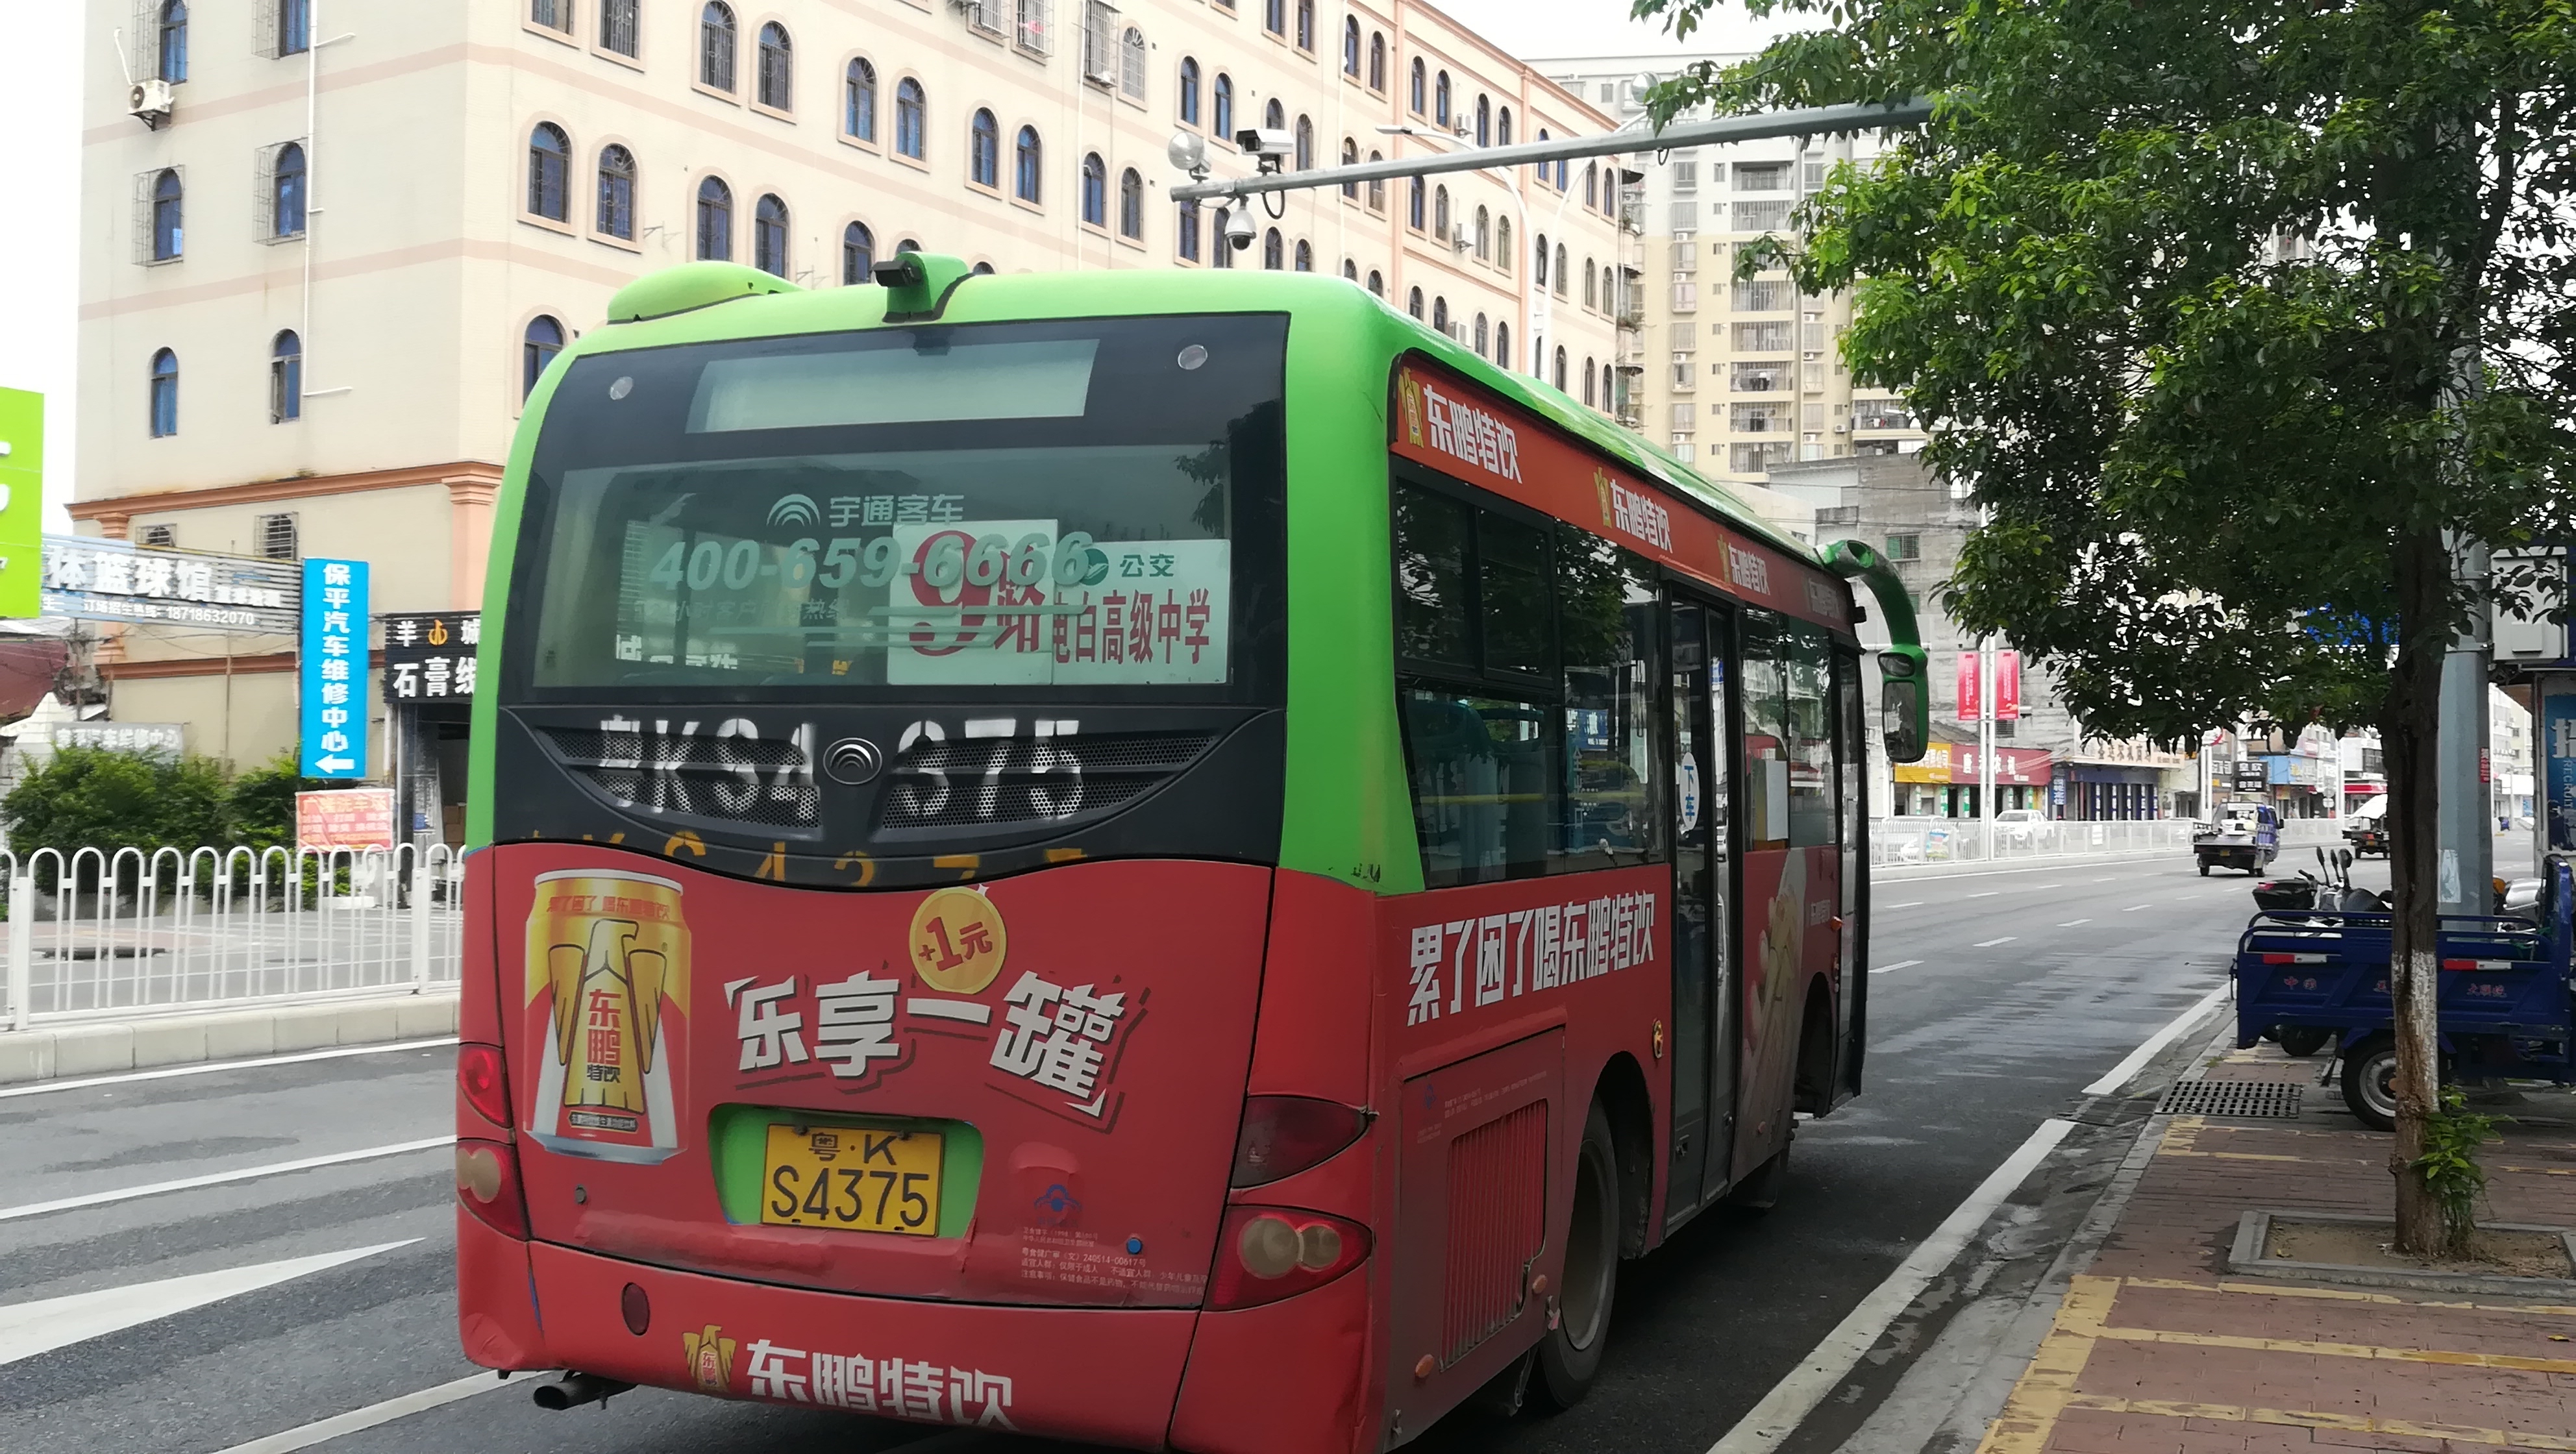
(2019, 827)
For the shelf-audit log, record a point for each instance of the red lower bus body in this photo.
(1024, 1102)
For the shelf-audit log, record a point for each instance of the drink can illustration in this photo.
(607, 1010)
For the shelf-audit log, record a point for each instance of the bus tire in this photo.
(1569, 1354)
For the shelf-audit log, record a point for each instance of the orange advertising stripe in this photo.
(1463, 431)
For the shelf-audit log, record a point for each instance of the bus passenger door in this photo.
(1851, 724)
(1703, 1060)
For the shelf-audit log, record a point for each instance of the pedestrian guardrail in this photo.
(97, 931)
(1897, 841)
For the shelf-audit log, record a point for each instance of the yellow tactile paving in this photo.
(2301, 1419)
(2344, 1294)
(2030, 1414)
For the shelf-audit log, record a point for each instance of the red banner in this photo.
(1968, 693)
(1464, 432)
(2007, 685)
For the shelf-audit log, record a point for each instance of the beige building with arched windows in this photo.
(379, 240)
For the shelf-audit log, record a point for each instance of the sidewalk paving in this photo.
(2155, 1349)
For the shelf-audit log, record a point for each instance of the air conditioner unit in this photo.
(1459, 241)
(1842, 426)
(148, 101)
(1458, 331)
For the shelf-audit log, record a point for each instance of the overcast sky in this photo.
(40, 158)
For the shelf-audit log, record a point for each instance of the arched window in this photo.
(1350, 158)
(1185, 233)
(1275, 115)
(777, 79)
(1440, 213)
(982, 270)
(543, 340)
(1440, 314)
(1027, 165)
(552, 14)
(1221, 96)
(1351, 269)
(1413, 190)
(1305, 144)
(1503, 243)
(1377, 63)
(174, 41)
(984, 150)
(1560, 369)
(715, 47)
(1413, 96)
(1483, 335)
(1095, 190)
(617, 192)
(1274, 250)
(1377, 282)
(905, 246)
(1503, 344)
(548, 156)
(1564, 279)
(1542, 166)
(1413, 303)
(1377, 186)
(1220, 251)
(1503, 127)
(858, 254)
(616, 25)
(169, 200)
(285, 377)
(1131, 205)
(286, 193)
(1274, 16)
(1440, 99)
(295, 26)
(1189, 91)
(859, 102)
(1590, 300)
(769, 235)
(715, 221)
(165, 394)
(1484, 121)
(1561, 165)
(911, 119)
(1484, 235)
(1305, 256)
(1351, 45)
(1587, 380)
(1131, 64)
(1591, 173)
(1305, 24)
(1538, 260)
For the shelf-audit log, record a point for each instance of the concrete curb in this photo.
(103, 1047)
(2254, 1232)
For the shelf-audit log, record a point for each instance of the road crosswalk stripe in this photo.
(322, 1431)
(27, 1329)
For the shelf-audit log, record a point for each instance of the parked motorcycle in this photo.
(2330, 890)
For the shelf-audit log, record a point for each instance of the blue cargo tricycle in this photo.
(2316, 976)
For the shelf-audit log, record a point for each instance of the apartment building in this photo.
(327, 249)
(1735, 376)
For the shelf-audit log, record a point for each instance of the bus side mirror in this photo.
(1904, 708)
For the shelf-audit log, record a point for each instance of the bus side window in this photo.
(1808, 675)
(1766, 741)
(1607, 621)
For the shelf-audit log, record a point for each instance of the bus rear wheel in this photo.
(1570, 1354)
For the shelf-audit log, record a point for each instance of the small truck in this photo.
(2243, 835)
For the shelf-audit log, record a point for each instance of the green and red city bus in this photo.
(1163, 858)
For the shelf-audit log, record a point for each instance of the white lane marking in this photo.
(1900, 964)
(2118, 1075)
(2045, 887)
(27, 1329)
(325, 1430)
(2071, 923)
(2106, 880)
(1991, 943)
(218, 1178)
(1988, 894)
(1918, 903)
(1789, 1402)
(2133, 908)
(211, 1066)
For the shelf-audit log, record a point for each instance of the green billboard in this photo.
(22, 500)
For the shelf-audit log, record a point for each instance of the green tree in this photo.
(88, 798)
(2235, 314)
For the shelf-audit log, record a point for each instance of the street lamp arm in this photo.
(1804, 121)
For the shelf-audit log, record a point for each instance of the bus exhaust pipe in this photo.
(577, 1388)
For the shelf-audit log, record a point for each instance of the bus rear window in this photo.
(1070, 535)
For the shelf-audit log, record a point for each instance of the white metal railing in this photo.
(98, 932)
(1905, 840)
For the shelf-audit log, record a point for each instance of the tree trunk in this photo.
(2410, 730)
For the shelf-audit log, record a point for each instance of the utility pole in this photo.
(2465, 812)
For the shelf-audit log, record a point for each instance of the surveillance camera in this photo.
(1239, 231)
(1262, 141)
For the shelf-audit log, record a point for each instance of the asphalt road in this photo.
(1995, 998)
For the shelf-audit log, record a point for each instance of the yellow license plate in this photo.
(853, 1179)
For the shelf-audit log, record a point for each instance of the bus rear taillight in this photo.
(1269, 1253)
(486, 1086)
(487, 1184)
(1284, 1135)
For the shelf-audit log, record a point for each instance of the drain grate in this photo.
(2231, 1098)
